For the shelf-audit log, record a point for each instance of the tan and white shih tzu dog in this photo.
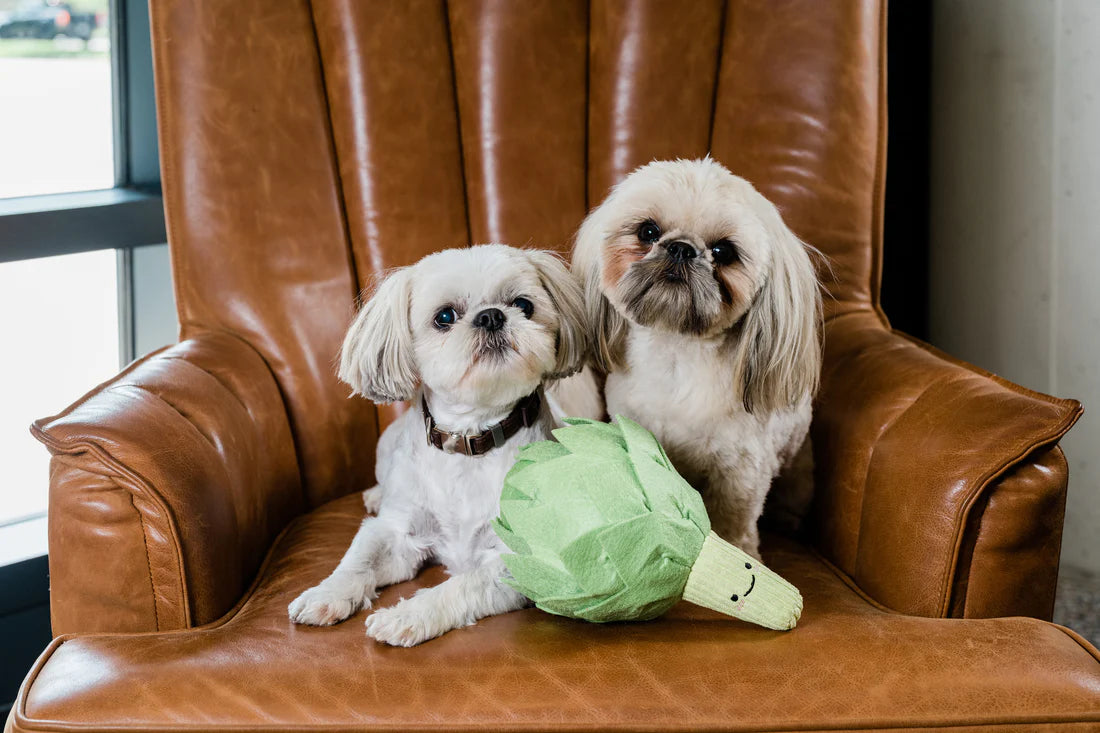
(705, 313)
(469, 337)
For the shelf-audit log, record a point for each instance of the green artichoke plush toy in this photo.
(604, 529)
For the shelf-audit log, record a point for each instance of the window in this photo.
(56, 132)
(60, 333)
(84, 279)
(79, 206)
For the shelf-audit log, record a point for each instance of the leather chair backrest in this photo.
(308, 146)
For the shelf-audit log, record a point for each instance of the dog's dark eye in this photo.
(524, 305)
(445, 318)
(723, 251)
(649, 232)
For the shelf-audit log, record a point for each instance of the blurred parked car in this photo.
(44, 19)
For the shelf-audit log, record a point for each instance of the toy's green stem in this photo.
(723, 573)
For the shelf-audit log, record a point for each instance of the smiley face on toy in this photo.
(740, 599)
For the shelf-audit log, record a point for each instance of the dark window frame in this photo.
(121, 218)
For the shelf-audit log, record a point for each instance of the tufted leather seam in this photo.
(121, 469)
(587, 109)
(972, 530)
(184, 585)
(879, 187)
(871, 459)
(718, 71)
(148, 561)
(204, 331)
(160, 398)
(334, 155)
(167, 155)
(458, 120)
(944, 578)
(213, 376)
(198, 335)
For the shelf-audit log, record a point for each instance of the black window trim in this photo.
(122, 218)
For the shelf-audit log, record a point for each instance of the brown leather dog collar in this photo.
(523, 415)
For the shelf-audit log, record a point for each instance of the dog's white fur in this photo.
(433, 506)
(728, 391)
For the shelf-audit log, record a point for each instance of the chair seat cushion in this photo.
(848, 665)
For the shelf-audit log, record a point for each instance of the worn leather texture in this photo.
(309, 145)
(168, 484)
(848, 665)
(910, 448)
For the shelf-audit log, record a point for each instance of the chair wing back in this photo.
(307, 147)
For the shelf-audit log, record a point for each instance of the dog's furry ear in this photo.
(377, 356)
(778, 351)
(606, 328)
(565, 292)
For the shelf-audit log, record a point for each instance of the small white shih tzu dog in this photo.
(705, 314)
(469, 336)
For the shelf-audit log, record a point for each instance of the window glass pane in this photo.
(56, 131)
(58, 339)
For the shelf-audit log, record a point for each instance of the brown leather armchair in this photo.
(307, 146)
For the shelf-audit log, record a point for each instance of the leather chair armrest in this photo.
(927, 468)
(168, 484)
(1008, 562)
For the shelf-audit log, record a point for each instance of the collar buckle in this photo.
(456, 443)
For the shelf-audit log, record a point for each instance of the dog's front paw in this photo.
(372, 499)
(407, 624)
(327, 604)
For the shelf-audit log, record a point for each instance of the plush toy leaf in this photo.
(604, 529)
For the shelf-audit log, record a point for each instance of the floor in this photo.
(1077, 603)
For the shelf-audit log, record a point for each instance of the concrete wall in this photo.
(1015, 212)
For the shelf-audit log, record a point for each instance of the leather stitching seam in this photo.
(1022, 448)
(148, 560)
(121, 469)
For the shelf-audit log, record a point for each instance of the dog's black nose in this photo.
(491, 319)
(680, 251)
